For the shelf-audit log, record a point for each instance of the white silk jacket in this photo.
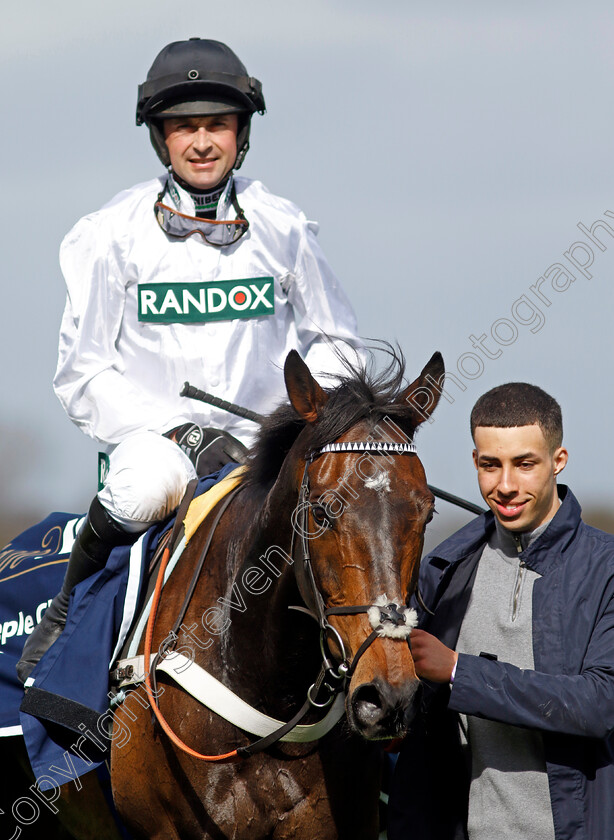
(146, 312)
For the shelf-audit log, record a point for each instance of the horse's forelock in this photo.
(362, 393)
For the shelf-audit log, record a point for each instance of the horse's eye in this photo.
(320, 516)
(430, 516)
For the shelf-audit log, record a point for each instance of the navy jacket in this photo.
(569, 696)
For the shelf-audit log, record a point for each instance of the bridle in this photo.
(386, 618)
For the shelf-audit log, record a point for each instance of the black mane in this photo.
(361, 394)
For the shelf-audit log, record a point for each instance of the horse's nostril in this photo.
(379, 710)
(367, 704)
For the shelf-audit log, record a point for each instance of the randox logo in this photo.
(190, 303)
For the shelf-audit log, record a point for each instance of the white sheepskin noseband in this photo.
(389, 619)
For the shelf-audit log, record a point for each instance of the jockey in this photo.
(196, 275)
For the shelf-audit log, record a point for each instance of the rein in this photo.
(150, 671)
(386, 619)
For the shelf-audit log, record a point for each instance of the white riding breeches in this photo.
(147, 478)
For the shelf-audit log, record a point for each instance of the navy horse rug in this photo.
(32, 569)
(67, 716)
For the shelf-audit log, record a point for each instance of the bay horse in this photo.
(317, 495)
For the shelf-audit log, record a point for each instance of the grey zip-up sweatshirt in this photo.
(509, 795)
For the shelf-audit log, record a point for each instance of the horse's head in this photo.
(359, 530)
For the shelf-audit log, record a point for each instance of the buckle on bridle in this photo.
(392, 613)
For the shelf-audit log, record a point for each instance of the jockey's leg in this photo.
(147, 478)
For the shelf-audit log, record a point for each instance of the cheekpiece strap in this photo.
(367, 446)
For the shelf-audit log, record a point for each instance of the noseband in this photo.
(386, 618)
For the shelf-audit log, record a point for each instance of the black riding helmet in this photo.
(197, 78)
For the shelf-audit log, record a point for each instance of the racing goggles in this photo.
(216, 232)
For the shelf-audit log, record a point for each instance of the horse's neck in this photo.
(267, 642)
(263, 575)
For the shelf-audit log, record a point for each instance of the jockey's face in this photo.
(517, 474)
(202, 149)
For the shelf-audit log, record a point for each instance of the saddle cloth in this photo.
(68, 704)
(32, 568)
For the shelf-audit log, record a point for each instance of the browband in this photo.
(367, 446)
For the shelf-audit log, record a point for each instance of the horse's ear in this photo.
(306, 396)
(423, 394)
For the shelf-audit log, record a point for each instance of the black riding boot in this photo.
(99, 534)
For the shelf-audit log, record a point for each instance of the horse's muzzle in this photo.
(379, 710)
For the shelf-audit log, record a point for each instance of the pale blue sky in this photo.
(448, 151)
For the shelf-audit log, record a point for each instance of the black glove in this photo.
(208, 449)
